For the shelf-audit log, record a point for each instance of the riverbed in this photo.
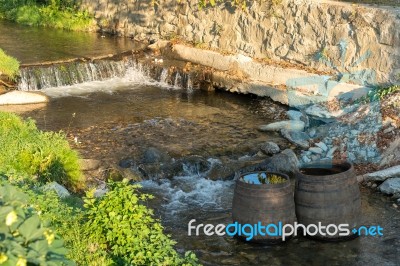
(121, 118)
(118, 119)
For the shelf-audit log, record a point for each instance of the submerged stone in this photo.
(296, 137)
(270, 148)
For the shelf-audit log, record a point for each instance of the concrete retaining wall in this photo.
(355, 38)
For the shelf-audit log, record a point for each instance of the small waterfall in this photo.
(40, 77)
(164, 75)
(178, 80)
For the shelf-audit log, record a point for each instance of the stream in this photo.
(180, 122)
(120, 117)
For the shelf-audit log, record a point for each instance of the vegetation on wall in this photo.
(9, 66)
(63, 14)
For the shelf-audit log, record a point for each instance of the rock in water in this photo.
(270, 148)
(61, 191)
(153, 155)
(89, 164)
(292, 125)
(284, 162)
(390, 186)
(22, 97)
(296, 137)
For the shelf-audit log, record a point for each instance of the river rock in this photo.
(322, 146)
(153, 155)
(383, 174)
(392, 153)
(294, 115)
(321, 113)
(330, 153)
(316, 150)
(296, 137)
(291, 125)
(299, 116)
(270, 148)
(89, 164)
(100, 192)
(284, 162)
(126, 163)
(61, 191)
(22, 97)
(390, 186)
(117, 173)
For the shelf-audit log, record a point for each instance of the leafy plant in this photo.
(24, 238)
(8, 65)
(120, 224)
(67, 217)
(378, 94)
(61, 14)
(27, 151)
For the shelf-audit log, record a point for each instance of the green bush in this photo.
(8, 65)
(90, 244)
(27, 151)
(24, 239)
(67, 217)
(120, 224)
(53, 13)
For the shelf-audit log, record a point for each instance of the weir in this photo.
(50, 75)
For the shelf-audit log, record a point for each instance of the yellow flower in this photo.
(49, 236)
(11, 218)
(21, 262)
(3, 258)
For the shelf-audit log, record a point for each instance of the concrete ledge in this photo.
(242, 74)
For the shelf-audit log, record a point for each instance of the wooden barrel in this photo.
(264, 203)
(328, 193)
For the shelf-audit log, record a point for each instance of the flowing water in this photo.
(185, 122)
(116, 110)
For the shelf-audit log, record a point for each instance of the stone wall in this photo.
(354, 38)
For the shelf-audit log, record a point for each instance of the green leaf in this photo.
(29, 227)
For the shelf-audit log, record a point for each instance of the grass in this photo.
(26, 151)
(54, 14)
(9, 66)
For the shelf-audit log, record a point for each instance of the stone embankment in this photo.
(361, 40)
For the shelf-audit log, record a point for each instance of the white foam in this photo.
(133, 78)
(188, 192)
